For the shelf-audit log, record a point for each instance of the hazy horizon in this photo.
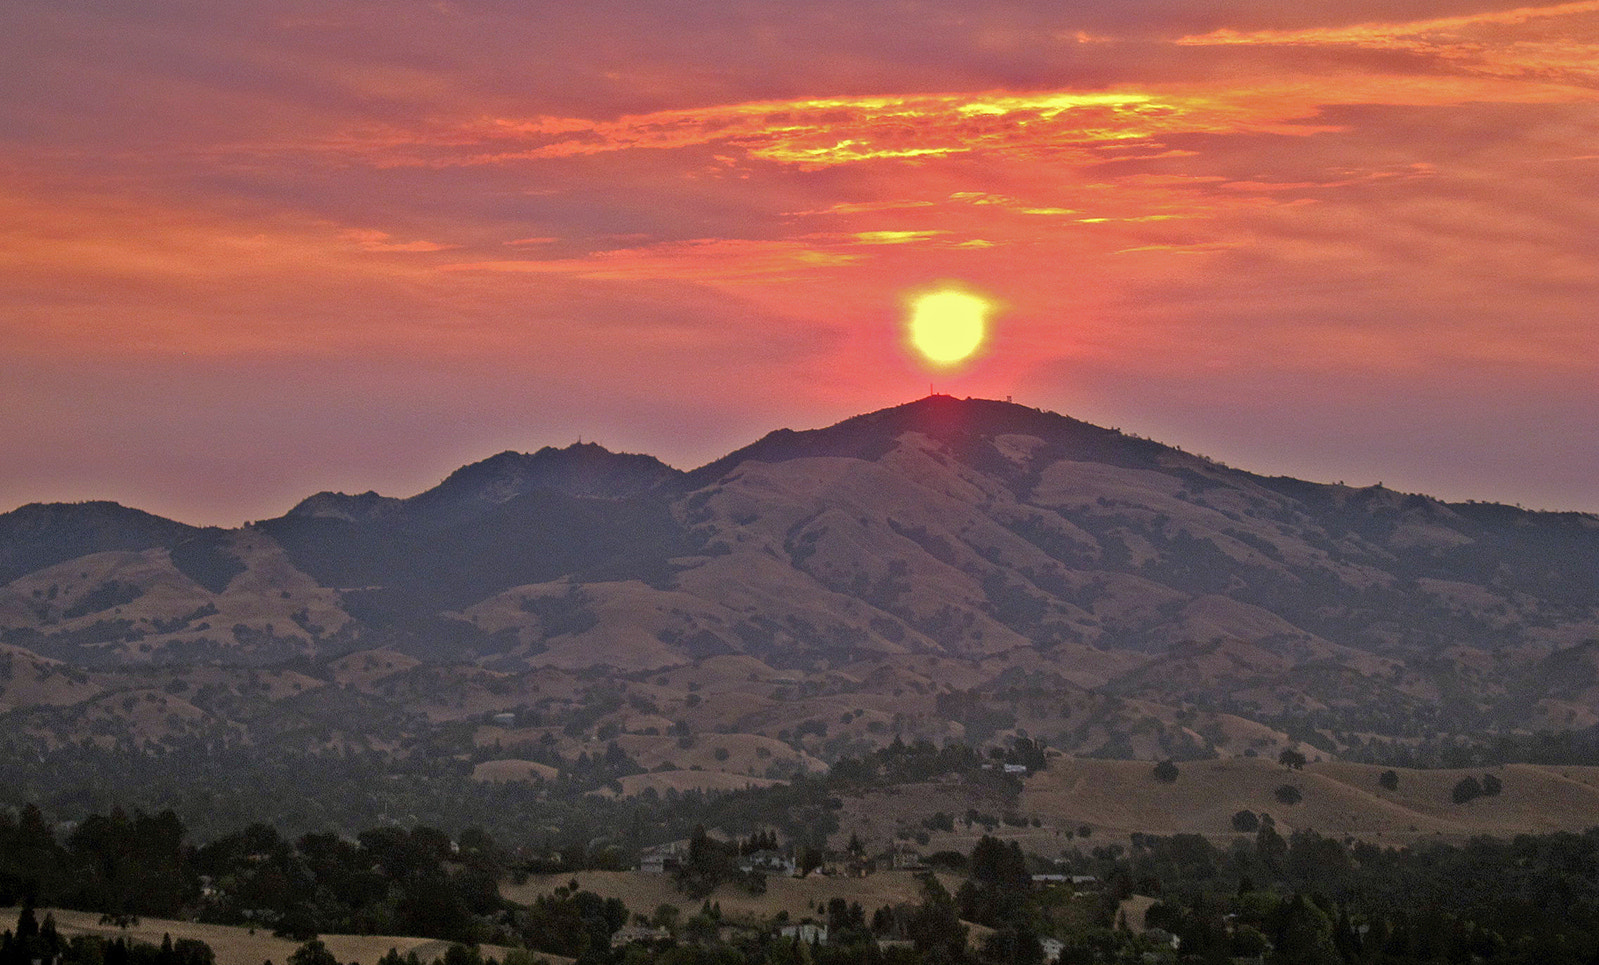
(255, 252)
(406, 485)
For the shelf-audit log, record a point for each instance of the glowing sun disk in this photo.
(947, 326)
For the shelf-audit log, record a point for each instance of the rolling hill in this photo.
(951, 569)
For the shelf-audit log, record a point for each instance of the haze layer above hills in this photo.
(945, 568)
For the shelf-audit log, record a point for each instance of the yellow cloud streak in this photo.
(828, 131)
(1059, 125)
(1380, 33)
(1498, 43)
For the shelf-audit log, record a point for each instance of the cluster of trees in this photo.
(1469, 788)
(1304, 900)
(34, 941)
(921, 760)
(388, 881)
(570, 921)
(1300, 900)
(215, 789)
(709, 862)
(1421, 741)
(111, 863)
(1320, 900)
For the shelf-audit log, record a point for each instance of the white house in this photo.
(806, 931)
(660, 860)
(769, 861)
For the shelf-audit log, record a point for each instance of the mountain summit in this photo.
(1022, 544)
(581, 469)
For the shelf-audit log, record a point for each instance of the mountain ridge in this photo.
(769, 448)
(1013, 544)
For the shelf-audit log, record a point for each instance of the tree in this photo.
(1491, 785)
(1166, 772)
(666, 916)
(1466, 790)
(1288, 794)
(1271, 847)
(1245, 821)
(935, 926)
(192, 951)
(1388, 781)
(1302, 934)
(313, 952)
(1291, 759)
(1014, 944)
(998, 865)
(708, 863)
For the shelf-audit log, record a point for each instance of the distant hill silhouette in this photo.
(1024, 545)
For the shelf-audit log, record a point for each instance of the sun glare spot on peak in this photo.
(948, 324)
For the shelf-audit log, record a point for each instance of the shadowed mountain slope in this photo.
(1040, 553)
(43, 534)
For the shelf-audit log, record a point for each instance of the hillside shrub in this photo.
(1467, 789)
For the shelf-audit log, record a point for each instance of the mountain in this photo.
(40, 534)
(946, 568)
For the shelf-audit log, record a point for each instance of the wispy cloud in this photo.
(1557, 44)
(369, 240)
(702, 260)
(558, 203)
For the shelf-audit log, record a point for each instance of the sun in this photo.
(948, 325)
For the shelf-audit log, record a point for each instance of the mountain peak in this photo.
(360, 508)
(41, 534)
(580, 469)
(967, 425)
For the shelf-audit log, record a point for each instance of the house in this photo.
(808, 932)
(1052, 948)
(661, 860)
(1051, 879)
(632, 934)
(1007, 768)
(504, 719)
(733, 934)
(1161, 936)
(768, 861)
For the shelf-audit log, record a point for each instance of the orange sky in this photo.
(252, 251)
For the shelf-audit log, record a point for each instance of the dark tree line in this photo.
(35, 941)
(389, 880)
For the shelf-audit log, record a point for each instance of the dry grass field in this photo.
(663, 781)
(643, 893)
(512, 769)
(1117, 798)
(244, 946)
